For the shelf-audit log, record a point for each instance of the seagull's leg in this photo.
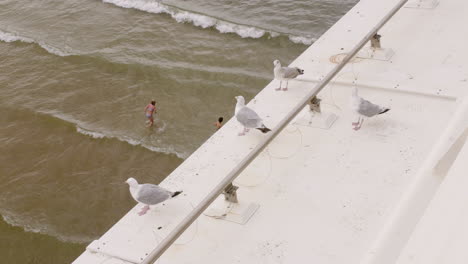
(243, 132)
(144, 210)
(277, 89)
(356, 123)
(360, 124)
(285, 89)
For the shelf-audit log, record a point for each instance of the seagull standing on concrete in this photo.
(149, 194)
(285, 73)
(364, 109)
(247, 117)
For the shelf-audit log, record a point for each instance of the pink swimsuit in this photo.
(149, 110)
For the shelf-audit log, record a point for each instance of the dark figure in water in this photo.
(150, 109)
(219, 123)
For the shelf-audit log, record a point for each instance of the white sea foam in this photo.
(28, 225)
(9, 37)
(196, 19)
(203, 21)
(302, 40)
(131, 141)
(53, 50)
(89, 133)
(243, 31)
(83, 128)
(148, 6)
(163, 127)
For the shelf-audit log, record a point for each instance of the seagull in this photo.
(364, 108)
(247, 117)
(285, 73)
(149, 194)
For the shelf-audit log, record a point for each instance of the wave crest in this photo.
(204, 21)
(131, 141)
(10, 37)
(83, 129)
(92, 134)
(28, 225)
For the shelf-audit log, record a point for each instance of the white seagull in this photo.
(149, 194)
(364, 108)
(247, 117)
(285, 73)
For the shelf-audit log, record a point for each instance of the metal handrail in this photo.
(201, 207)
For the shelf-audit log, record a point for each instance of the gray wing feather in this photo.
(152, 194)
(368, 109)
(290, 73)
(248, 118)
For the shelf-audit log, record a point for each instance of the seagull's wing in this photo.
(368, 109)
(248, 118)
(152, 194)
(290, 73)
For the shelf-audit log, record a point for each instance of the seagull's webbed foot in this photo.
(358, 126)
(144, 210)
(358, 123)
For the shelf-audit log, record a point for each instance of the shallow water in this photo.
(75, 77)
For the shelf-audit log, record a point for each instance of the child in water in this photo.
(219, 123)
(149, 110)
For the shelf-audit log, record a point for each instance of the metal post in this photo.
(314, 105)
(375, 41)
(230, 193)
(201, 207)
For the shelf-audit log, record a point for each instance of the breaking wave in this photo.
(204, 21)
(90, 133)
(10, 37)
(131, 141)
(83, 129)
(26, 225)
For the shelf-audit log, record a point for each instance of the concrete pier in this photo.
(323, 192)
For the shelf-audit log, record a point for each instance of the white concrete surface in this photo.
(441, 235)
(325, 195)
(413, 203)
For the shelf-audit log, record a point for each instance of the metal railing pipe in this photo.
(201, 207)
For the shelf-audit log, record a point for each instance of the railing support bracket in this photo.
(375, 51)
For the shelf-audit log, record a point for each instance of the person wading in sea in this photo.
(149, 110)
(219, 123)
